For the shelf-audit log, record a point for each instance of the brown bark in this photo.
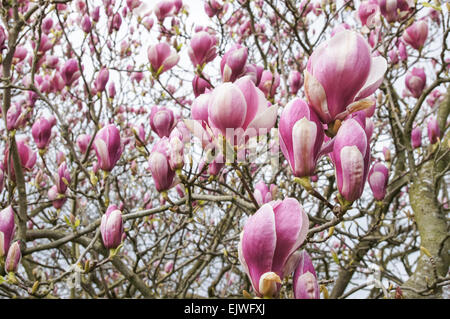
(430, 219)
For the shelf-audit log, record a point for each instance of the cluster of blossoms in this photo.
(333, 120)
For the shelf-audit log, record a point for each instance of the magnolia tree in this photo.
(258, 149)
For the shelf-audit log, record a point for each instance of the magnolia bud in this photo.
(111, 227)
(305, 279)
(108, 147)
(13, 258)
(378, 180)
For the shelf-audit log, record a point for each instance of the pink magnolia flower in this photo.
(27, 157)
(7, 229)
(368, 13)
(20, 54)
(199, 108)
(370, 126)
(435, 97)
(269, 83)
(255, 72)
(202, 48)
(115, 22)
(434, 16)
(70, 72)
(162, 58)
(108, 147)
(295, 81)
(148, 23)
(402, 53)
(162, 120)
(2, 176)
(111, 227)
(168, 267)
(182, 132)
(52, 61)
(60, 157)
(178, 5)
(3, 38)
(416, 34)
(83, 142)
(351, 156)
(159, 166)
(42, 131)
(56, 198)
(378, 180)
(415, 81)
(45, 44)
(15, 117)
(212, 7)
(269, 241)
(57, 82)
(305, 7)
(86, 24)
(112, 90)
(63, 178)
(394, 10)
(164, 9)
(13, 258)
(332, 86)
(101, 80)
(233, 63)
(305, 279)
(262, 193)
(133, 4)
(393, 56)
(200, 85)
(139, 132)
(176, 152)
(137, 76)
(95, 14)
(47, 24)
(434, 133)
(301, 137)
(370, 111)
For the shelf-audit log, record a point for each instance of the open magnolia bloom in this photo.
(416, 34)
(236, 111)
(394, 10)
(415, 81)
(159, 163)
(233, 63)
(162, 58)
(269, 244)
(378, 180)
(7, 230)
(341, 74)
